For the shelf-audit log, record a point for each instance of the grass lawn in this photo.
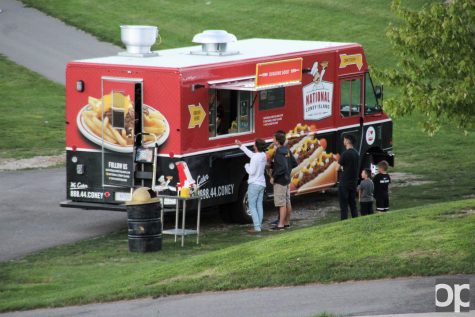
(32, 113)
(430, 240)
(445, 161)
(364, 22)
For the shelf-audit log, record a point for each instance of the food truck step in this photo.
(105, 206)
(90, 205)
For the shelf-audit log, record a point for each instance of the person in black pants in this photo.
(381, 187)
(349, 162)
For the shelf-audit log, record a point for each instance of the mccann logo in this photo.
(78, 185)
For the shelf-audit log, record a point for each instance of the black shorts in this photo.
(382, 202)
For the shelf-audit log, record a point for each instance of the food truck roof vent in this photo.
(214, 42)
(138, 40)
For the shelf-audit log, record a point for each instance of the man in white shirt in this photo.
(256, 182)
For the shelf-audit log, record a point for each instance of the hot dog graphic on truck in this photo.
(190, 104)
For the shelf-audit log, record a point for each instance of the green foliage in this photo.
(436, 72)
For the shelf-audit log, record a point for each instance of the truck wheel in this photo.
(240, 210)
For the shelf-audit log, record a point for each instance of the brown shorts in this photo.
(281, 195)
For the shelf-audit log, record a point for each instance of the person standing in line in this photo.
(256, 182)
(283, 162)
(348, 182)
(365, 191)
(381, 187)
(276, 222)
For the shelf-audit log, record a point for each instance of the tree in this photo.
(436, 50)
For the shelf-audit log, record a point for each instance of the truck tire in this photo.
(239, 210)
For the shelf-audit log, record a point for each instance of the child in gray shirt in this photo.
(365, 190)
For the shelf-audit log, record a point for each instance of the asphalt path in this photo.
(394, 296)
(45, 44)
(31, 219)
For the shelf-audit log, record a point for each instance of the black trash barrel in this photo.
(145, 227)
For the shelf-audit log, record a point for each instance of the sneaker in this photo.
(274, 223)
(253, 231)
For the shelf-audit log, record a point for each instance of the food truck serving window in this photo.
(230, 112)
(231, 103)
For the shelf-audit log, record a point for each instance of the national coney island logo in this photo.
(317, 96)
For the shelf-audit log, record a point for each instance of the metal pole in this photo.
(183, 224)
(198, 222)
(177, 204)
(161, 212)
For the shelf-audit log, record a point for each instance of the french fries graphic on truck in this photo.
(97, 117)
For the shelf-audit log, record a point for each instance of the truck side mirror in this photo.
(378, 91)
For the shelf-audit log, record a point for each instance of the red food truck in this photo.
(192, 103)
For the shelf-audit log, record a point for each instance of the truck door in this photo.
(351, 100)
(122, 108)
(374, 132)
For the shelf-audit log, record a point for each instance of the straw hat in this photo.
(142, 196)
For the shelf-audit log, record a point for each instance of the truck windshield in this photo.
(371, 103)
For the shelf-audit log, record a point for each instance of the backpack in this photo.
(291, 164)
(291, 161)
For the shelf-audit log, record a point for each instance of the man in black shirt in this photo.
(349, 163)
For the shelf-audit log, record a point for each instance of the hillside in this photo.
(431, 240)
(364, 22)
(32, 113)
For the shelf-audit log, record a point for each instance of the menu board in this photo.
(271, 98)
